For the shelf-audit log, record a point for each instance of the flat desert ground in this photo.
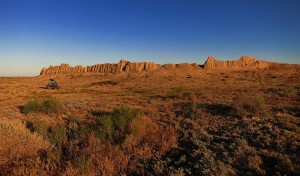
(196, 122)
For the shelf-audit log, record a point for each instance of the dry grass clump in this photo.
(58, 134)
(144, 140)
(180, 92)
(121, 142)
(244, 105)
(16, 141)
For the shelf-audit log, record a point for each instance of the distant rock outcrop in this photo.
(245, 62)
(123, 65)
(63, 68)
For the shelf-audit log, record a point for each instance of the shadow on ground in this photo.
(217, 109)
(184, 109)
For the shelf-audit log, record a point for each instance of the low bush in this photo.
(107, 127)
(121, 117)
(53, 155)
(32, 106)
(194, 111)
(58, 134)
(147, 140)
(122, 142)
(51, 105)
(47, 106)
(41, 127)
(245, 105)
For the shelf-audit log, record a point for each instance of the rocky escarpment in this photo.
(245, 62)
(63, 68)
(123, 65)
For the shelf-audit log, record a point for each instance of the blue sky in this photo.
(39, 33)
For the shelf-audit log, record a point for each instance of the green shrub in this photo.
(47, 106)
(32, 106)
(122, 115)
(107, 127)
(82, 132)
(41, 127)
(58, 134)
(110, 127)
(113, 127)
(51, 105)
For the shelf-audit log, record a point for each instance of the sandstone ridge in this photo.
(245, 62)
(123, 65)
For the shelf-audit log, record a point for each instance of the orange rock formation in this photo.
(123, 65)
(244, 63)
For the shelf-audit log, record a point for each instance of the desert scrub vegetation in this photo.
(244, 105)
(217, 145)
(282, 91)
(47, 106)
(113, 127)
(41, 127)
(289, 122)
(17, 141)
(180, 92)
(106, 82)
(203, 139)
(194, 111)
(121, 142)
(58, 134)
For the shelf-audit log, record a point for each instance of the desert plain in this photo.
(185, 119)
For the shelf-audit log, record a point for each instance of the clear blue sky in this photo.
(38, 33)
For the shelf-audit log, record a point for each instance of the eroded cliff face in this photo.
(123, 65)
(63, 68)
(245, 62)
